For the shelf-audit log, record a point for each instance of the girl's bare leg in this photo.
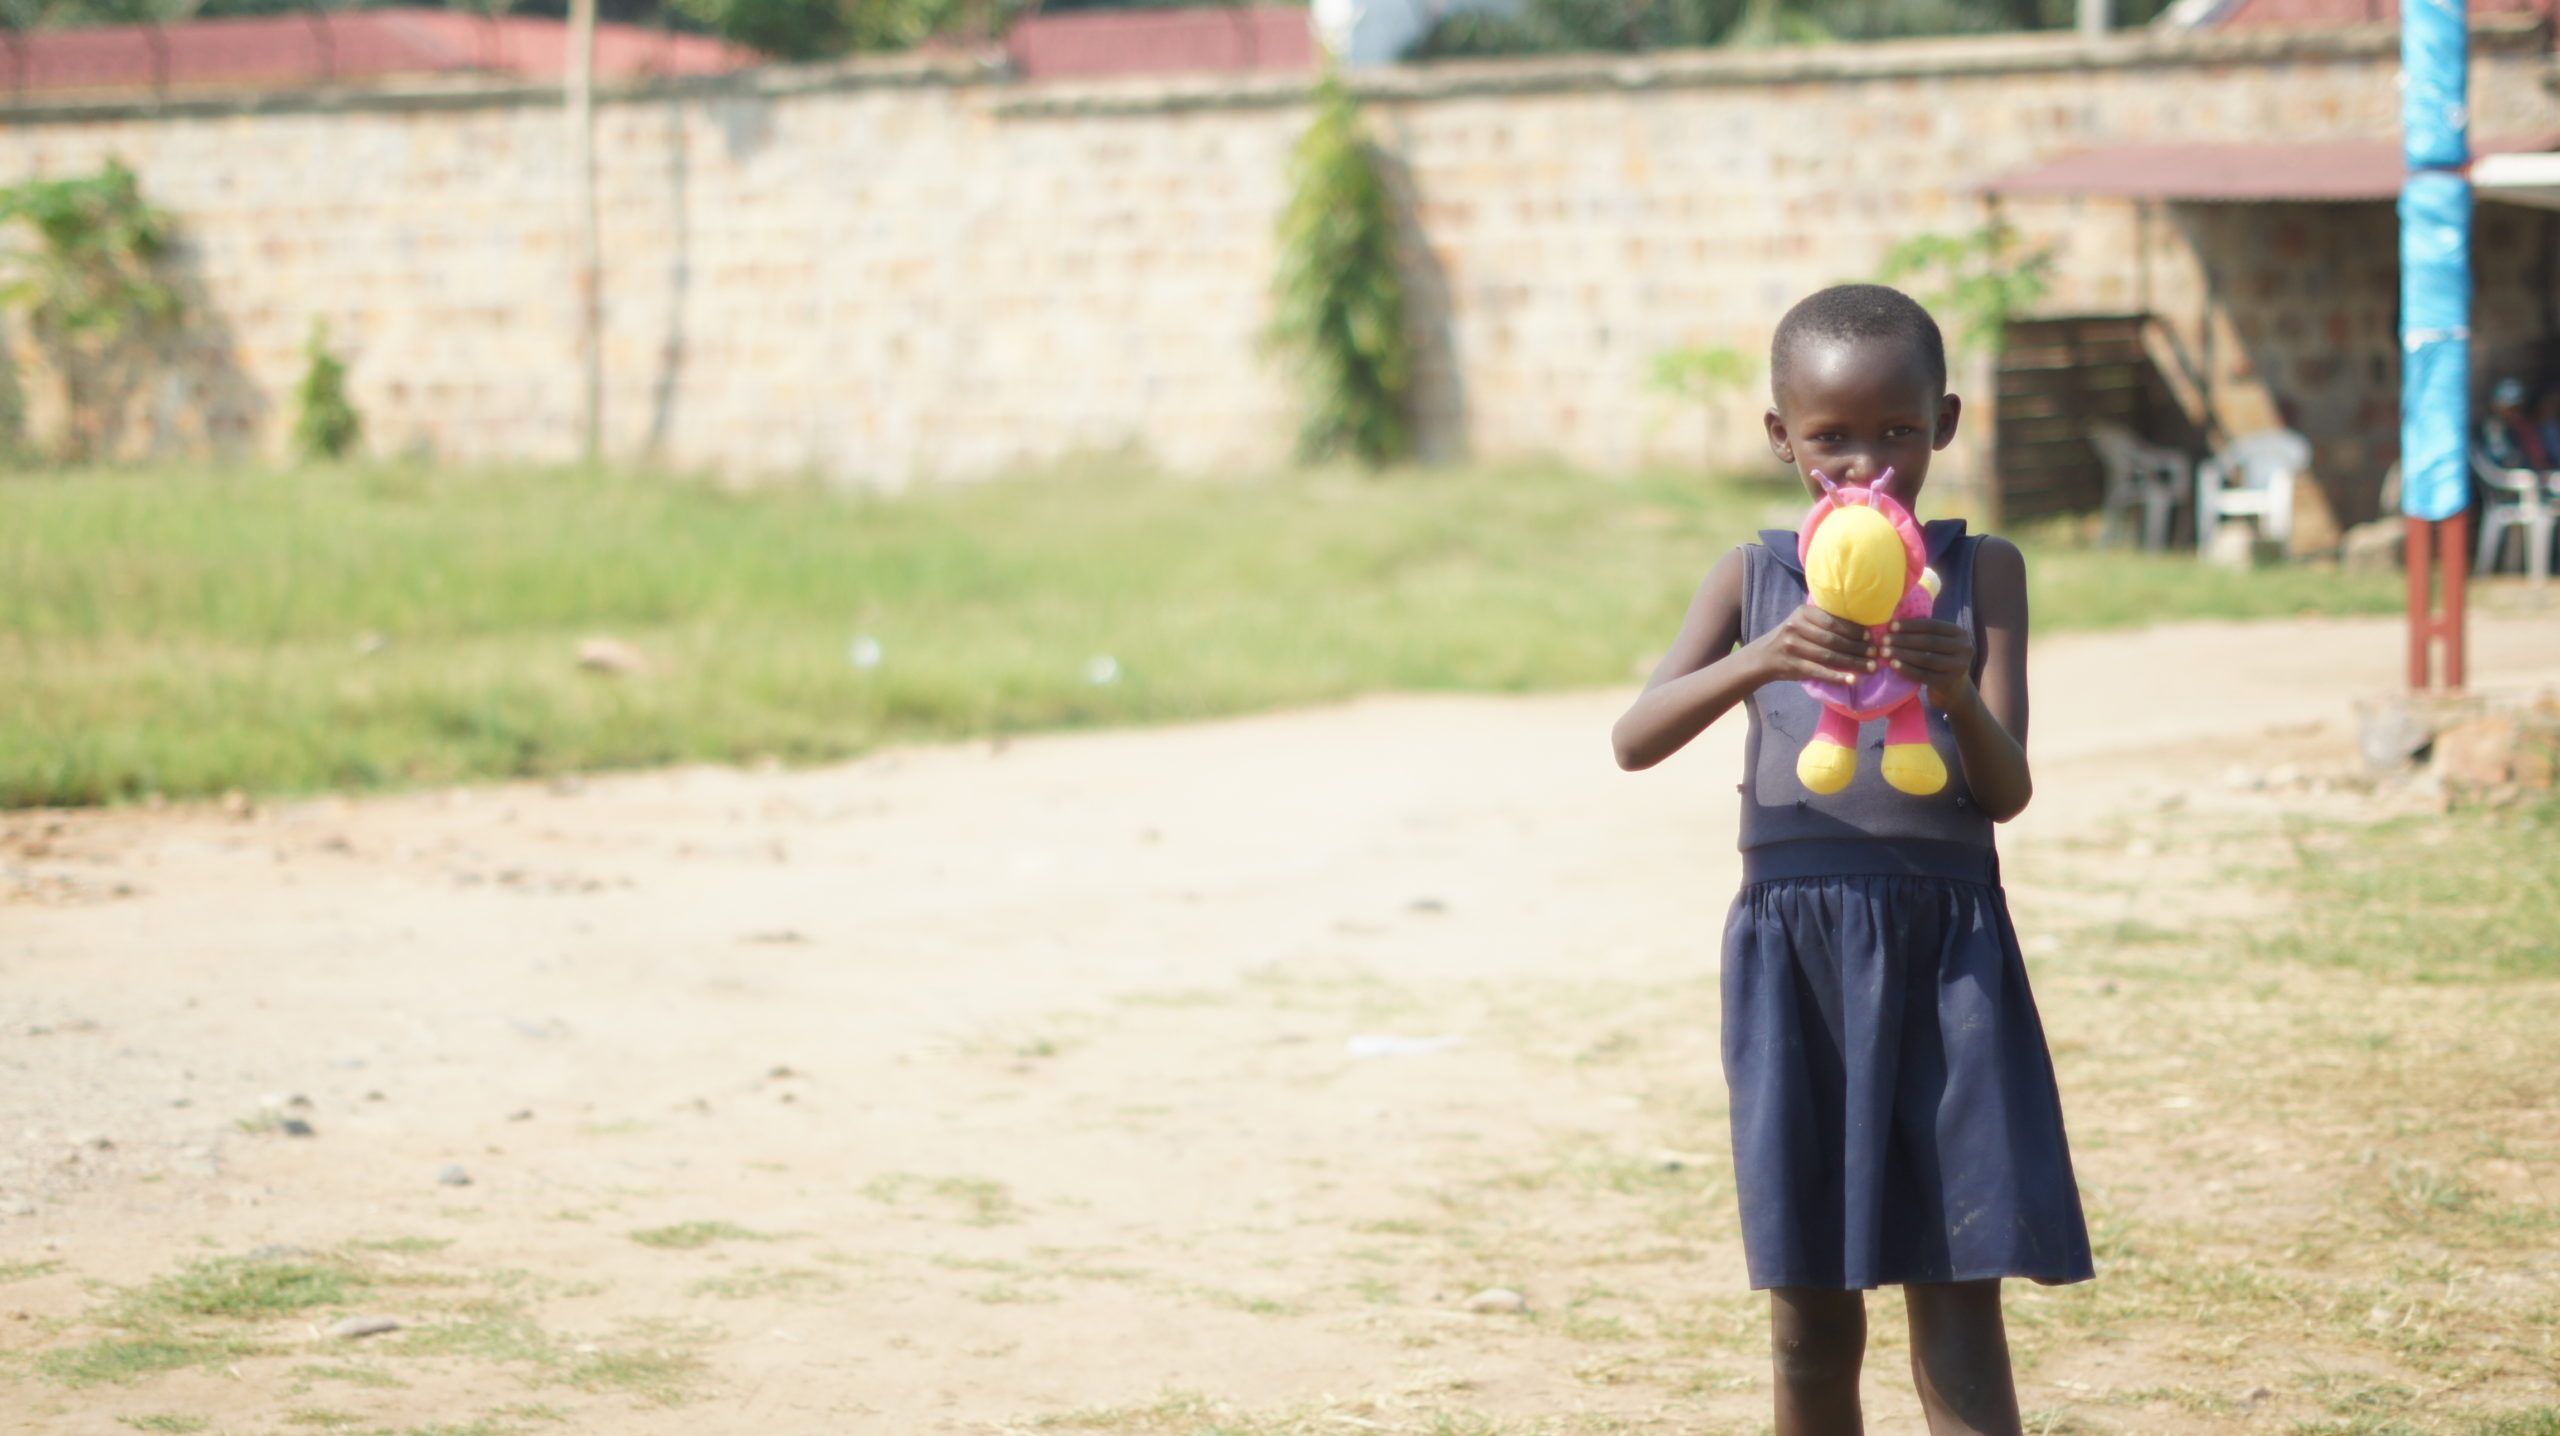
(1819, 1339)
(1960, 1359)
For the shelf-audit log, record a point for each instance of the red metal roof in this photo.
(1129, 42)
(353, 47)
(2308, 170)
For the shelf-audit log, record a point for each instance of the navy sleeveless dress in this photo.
(1895, 1118)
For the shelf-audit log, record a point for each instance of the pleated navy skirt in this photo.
(1895, 1118)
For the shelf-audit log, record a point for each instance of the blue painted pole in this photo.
(2435, 318)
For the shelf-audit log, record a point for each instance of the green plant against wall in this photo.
(1977, 280)
(83, 269)
(1339, 298)
(1702, 374)
(325, 423)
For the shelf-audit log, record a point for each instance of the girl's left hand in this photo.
(1936, 654)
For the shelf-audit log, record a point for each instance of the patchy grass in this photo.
(116, 1360)
(174, 1422)
(693, 1236)
(245, 1289)
(184, 633)
(352, 1376)
(971, 1201)
(2470, 895)
(797, 1282)
(13, 1271)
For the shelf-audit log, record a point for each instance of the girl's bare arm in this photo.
(1984, 696)
(1704, 674)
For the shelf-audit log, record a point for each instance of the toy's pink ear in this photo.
(1884, 485)
(1824, 479)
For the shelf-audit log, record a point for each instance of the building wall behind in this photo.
(886, 275)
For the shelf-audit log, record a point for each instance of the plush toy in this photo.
(1864, 561)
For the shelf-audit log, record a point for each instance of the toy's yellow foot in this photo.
(1826, 767)
(1914, 768)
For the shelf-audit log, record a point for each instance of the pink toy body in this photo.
(1911, 763)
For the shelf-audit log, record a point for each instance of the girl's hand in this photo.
(1936, 654)
(1818, 647)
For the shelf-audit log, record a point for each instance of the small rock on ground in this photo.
(349, 1328)
(1497, 1299)
(451, 1174)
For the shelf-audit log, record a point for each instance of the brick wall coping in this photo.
(1921, 59)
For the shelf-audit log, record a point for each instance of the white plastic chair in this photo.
(2145, 476)
(2252, 478)
(2517, 498)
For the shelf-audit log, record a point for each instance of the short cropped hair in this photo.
(1856, 312)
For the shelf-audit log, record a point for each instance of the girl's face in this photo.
(1854, 409)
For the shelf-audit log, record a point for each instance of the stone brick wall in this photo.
(926, 270)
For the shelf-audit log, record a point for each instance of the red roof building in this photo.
(1218, 39)
(356, 47)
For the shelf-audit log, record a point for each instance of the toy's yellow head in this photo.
(1856, 565)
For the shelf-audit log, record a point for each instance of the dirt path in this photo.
(1000, 1082)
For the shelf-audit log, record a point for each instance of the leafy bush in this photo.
(1340, 298)
(1983, 278)
(90, 288)
(1700, 374)
(326, 424)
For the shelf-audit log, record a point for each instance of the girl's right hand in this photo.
(1818, 647)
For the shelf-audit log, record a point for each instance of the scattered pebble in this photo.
(1426, 904)
(451, 1174)
(610, 656)
(350, 1328)
(1102, 670)
(1497, 1299)
(782, 1070)
(1671, 1160)
(296, 1127)
(2254, 1395)
(521, 1114)
(16, 1206)
(864, 652)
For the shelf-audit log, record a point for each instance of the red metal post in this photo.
(2421, 601)
(2445, 549)
(2454, 536)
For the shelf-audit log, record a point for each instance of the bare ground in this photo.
(1193, 1079)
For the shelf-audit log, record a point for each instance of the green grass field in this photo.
(185, 632)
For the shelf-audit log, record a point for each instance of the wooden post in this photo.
(586, 292)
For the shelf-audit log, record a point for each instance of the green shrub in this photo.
(326, 424)
(90, 288)
(1340, 299)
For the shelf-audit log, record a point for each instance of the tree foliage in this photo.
(1568, 26)
(1340, 296)
(817, 29)
(84, 272)
(1981, 279)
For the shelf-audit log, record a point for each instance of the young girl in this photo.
(1894, 1113)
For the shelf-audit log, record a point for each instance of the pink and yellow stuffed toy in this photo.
(1864, 561)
